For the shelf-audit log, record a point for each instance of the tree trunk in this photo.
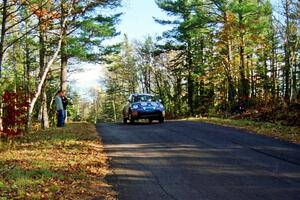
(293, 96)
(287, 52)
(273, 71)
(64, 72)
(158, 84)
(149, 77)
(190, 80)
(3, 27)
(190, 85)
(27, 72)
(44, 75)
(177, 101)
(63, 52)
(44, 110)
(294, 85)
(41, 83)
(265, 76)
(231, 89)
(287, 71)
(298, 80)
(253, 94)
(3, 31)
(114, 109)
(243, 84)
(228, 65)
(243, 81)
(42, 50)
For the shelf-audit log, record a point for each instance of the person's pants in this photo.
(60, 118)
(65, 116)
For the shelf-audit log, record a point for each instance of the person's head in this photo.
(59, 93)
(63, 93)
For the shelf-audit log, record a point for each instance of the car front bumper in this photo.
(143, 114)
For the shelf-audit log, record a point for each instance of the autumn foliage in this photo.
(56, 164)
(15, 106)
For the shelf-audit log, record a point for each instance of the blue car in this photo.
(143, 106)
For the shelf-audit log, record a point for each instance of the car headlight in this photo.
(135, 106)
(161, 106)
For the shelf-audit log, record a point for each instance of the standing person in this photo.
(65, 102)
(59, 109)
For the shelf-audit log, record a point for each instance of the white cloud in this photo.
(90, 77)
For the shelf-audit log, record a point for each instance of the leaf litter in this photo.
(59, 163)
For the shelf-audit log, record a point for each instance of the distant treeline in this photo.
(220, 57)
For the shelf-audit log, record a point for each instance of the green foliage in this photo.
(220, 57)
(32, 33)
(91, 31)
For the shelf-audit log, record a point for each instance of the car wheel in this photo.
(150, 121)
(162, 120)
(131, 120)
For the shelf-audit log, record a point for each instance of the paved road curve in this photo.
(198, 161)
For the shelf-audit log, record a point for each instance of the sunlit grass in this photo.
(276, 130)
(59, 163)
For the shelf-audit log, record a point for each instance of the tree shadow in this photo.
(199, 161)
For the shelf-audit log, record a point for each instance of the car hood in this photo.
(148, 104)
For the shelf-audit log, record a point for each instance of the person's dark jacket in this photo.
(65, 102)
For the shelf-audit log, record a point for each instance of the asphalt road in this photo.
(198, 161)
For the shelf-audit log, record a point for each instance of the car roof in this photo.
(141, 94)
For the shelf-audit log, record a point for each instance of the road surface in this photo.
(182, 160)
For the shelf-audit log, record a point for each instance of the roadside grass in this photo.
(59, 163)
(275, 130)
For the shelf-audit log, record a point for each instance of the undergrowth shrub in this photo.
(15, 106)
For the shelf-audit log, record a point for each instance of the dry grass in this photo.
(278, 131)
(59, 163)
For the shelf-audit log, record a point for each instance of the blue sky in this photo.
(137, 21)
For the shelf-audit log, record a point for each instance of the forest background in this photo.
(225, 58)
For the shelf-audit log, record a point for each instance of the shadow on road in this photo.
(198, 161)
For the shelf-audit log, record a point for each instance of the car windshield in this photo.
(143, 98)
